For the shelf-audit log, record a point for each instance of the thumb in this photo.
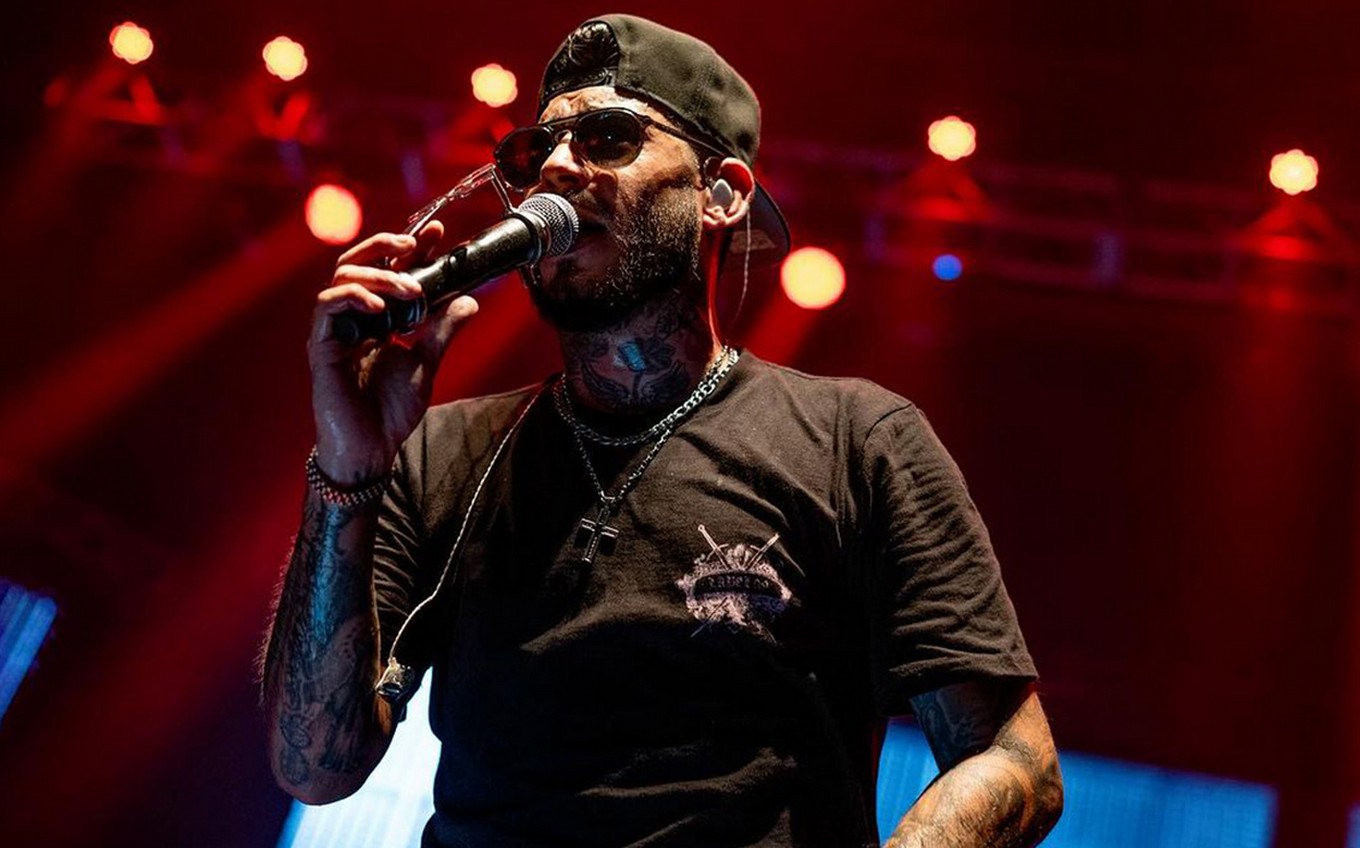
(442, 325)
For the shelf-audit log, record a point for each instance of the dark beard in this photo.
(658, 257)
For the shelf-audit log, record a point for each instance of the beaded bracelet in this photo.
(339, 495)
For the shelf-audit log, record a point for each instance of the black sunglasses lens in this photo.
(521, 154)
(611, 138)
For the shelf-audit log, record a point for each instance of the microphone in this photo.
(543, 225)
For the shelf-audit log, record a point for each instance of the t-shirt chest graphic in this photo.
(700, 567)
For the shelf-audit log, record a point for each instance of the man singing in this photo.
(671, 595)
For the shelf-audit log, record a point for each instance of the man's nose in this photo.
(563, 170)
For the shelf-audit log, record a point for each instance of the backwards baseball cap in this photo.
(688, 79)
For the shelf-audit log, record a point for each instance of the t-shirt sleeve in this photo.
(396, 555)
(938, 610)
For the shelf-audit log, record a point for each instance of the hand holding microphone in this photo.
(367, 399)
(543, 225)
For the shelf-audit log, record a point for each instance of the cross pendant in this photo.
(596, 536)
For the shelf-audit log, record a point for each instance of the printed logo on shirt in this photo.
(735, 585)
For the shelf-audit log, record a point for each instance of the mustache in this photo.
(592, 212)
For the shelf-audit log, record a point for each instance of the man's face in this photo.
(640, 223)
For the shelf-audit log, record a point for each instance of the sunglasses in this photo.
(606, 138)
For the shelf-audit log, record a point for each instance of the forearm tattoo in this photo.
(322, 653)
(999, 789)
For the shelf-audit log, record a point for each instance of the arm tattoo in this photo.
(1000, 784)
(322, 653)
(958, 727)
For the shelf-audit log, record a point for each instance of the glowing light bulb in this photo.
(285, 58)
(333, 214)
(812, 277)
(131, 43)
(1293, 172)
(494, 85)
(947, 267)
(952, 138)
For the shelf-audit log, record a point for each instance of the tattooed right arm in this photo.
(327, 727)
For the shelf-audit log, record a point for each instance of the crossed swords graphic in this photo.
(718, 549)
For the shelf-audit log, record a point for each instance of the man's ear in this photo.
(727, 197)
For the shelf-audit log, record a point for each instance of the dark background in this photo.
(1170, 481)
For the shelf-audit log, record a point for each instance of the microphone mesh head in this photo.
(559, 220)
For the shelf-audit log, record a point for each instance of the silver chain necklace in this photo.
(727, 357)
(596, 535)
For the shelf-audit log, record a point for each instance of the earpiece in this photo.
(721, 193)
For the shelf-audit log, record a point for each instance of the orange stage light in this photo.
(285, 58)
(1294, 172)
(952, 138)
(131, 43)
(813, 278)
(494, 85)
(334, 214)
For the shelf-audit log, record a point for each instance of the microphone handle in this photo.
(510, 243)
(400, 315)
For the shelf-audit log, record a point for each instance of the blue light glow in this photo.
(947, 267)
(1353, 841)
(25, 618)
(1110, 804)
(392, 807)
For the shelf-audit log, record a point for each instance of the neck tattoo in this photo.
(645, 364)
(596, 536)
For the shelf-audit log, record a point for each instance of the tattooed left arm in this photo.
(999, 784)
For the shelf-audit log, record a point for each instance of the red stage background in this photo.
(1148, 371)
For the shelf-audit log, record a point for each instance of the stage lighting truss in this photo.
(1004, 221)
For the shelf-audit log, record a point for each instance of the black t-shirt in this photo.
(801, 558)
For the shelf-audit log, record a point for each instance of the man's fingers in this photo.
(442, 325)
(377, 279)
(337, 299)
(427, 247)
(429, 237)
(376, 247)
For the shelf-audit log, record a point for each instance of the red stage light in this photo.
(334, 214)
(494, 85)
(1293, 172)
(131, 43)
(952, 138)
(285, 58)
(812, 277)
